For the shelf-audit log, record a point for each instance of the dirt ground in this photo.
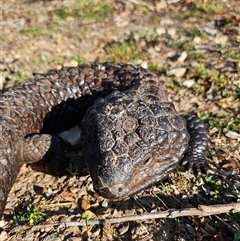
(194, 47)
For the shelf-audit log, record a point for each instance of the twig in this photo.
(202, 210)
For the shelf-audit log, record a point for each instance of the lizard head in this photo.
(130, 142)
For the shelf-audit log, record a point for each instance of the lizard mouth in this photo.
(117, 191)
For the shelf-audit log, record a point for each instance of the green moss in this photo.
(63, 12)
(89, 9)
(39, 31)
(156, 68)
(142, 9)
(78, 59)
(220, 122)
(208, 7)
(200, 88)
(211, 75)
(171, 83)
(185, 44)
(228, 25)
(196, 56)
(34, 31)
(2, 37)
(231, 54)
(129, 50)
(196, 32)
(22, 75)
(200, 9)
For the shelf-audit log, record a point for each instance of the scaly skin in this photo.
(127, 149)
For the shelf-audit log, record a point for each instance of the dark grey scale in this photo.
(132, 136)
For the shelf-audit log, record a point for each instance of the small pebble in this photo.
(182, 57)
(172, 32)
(189, 83)
(197, 40)
(144, 64)
(161, 30)
(221, 39)
(157, 48)
(104, 204)
(3, 235)
(52, 237)
(159, 5)
(1, 81)
(153, 52)
(72, 136)
(211, 31)
(178, 72)
(49, 191)
(231, 134)
(166, 22)
(123, 229)
(71, 63)
(173, 1)
(191, 230)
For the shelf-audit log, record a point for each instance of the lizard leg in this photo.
(194, 157)
(43, 147)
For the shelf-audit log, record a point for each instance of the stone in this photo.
(211, 31)
(161, 30)
(231, 134)
(189, 83)
(72, 136)
(172, 32)
(182, 57)
(178, 72)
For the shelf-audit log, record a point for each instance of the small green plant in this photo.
(72, 169)
(178, 183)
(204, 115)
(196, 32)
(87, 215)
(164, 189)
(219, 190)
(31, 216)
(216, 186)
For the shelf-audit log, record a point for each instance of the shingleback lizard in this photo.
(132, 135)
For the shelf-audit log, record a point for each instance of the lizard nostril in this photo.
(120, 190)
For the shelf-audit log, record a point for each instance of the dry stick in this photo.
(202, 210)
